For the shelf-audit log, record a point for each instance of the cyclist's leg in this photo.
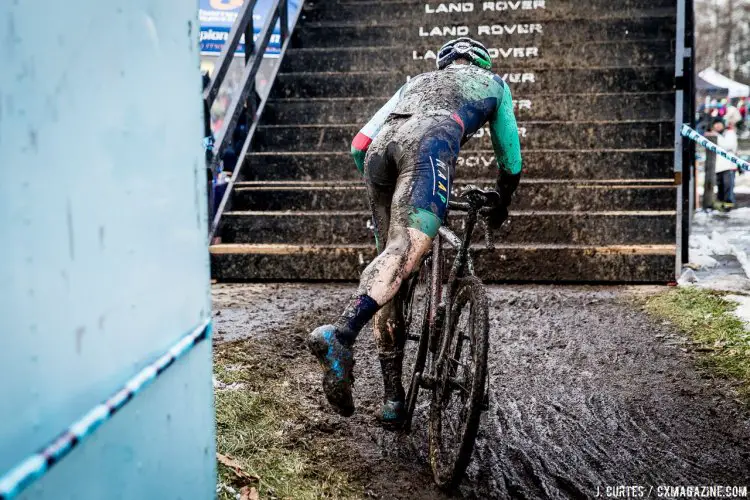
(381, 178)
(418, 207)
(332, 344)
(388, 322)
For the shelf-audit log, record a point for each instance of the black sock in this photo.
(358, 312)
(391, 366)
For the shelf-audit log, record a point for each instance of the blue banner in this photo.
(217, 17)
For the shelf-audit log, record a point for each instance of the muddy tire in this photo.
(416, 316)
(461, 377)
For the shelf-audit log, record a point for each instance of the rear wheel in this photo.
(461, 376)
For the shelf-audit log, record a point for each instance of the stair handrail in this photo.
(254, 52)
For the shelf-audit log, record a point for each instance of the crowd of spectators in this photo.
(724, 122)
(732, 112)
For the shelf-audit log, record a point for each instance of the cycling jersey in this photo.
(408, 150)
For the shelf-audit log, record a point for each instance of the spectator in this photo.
(725, 169)
(732, 116)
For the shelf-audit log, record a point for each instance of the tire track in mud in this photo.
(584, 395)
(587, 391)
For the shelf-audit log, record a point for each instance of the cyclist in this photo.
(407, 155)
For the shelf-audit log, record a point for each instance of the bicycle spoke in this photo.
(463, 389)
(458, 362)
(450, 424)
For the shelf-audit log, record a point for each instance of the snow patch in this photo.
(718, 244)
(687, 278)
(740, 213)
(743, 309)
(704, 261)
(727, 283)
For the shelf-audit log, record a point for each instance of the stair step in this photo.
(559, 263)
(539, 195)
(421, 58)
(483, 12)
(566, 107)
(550, 81)
(492, 33)
(593, 83)
(578, 164)
(534, 135)
(544, 227)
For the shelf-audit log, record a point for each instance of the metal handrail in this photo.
(254, 53)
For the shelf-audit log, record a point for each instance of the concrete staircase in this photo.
(593, 85)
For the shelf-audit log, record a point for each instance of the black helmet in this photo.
(464, 48)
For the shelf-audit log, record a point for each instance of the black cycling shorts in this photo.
(409, 167)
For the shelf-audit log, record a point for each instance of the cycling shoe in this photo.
(392, 415)
(337, 361)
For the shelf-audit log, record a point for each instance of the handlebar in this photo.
(479, 202)
(475, 199)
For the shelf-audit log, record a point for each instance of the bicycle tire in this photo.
(416, 312)
(450, 460)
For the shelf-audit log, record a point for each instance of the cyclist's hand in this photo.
(497, 216)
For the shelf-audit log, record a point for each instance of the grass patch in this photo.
(264, 428)
(706, 317)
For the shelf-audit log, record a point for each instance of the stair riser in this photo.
(476, 165)
(630, 54)
(533, 107)
(549, 81)
(539, 34)
(533, 136)
(528, 197)
(327, 229)
(482, 12)
(538, 264)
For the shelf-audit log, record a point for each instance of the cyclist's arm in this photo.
(368, 133)
(507, 146)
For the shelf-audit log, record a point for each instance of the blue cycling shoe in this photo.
(337, 360)
(392, 414)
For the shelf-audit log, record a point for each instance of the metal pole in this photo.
(688, 147)
(283, 21)
(249, 43)
(679, 115)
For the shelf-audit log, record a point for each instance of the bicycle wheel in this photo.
(416, 316)
(461, 376)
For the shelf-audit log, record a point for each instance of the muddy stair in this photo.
(593, 85)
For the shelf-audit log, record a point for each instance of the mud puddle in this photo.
(587, 391)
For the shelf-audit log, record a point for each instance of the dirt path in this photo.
(586, 391)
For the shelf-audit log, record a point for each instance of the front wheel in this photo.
(461, 376)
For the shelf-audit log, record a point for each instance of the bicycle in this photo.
(445, 363)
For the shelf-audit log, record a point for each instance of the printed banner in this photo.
(217, 17)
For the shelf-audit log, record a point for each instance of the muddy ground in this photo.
(587, 391)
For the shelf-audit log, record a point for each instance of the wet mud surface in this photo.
(586, 391)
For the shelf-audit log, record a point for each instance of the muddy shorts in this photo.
(408, 170)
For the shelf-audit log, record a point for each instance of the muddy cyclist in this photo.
(407, 155)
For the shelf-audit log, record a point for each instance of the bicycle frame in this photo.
(463, 265)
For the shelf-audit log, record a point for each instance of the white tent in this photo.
(734, 89)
